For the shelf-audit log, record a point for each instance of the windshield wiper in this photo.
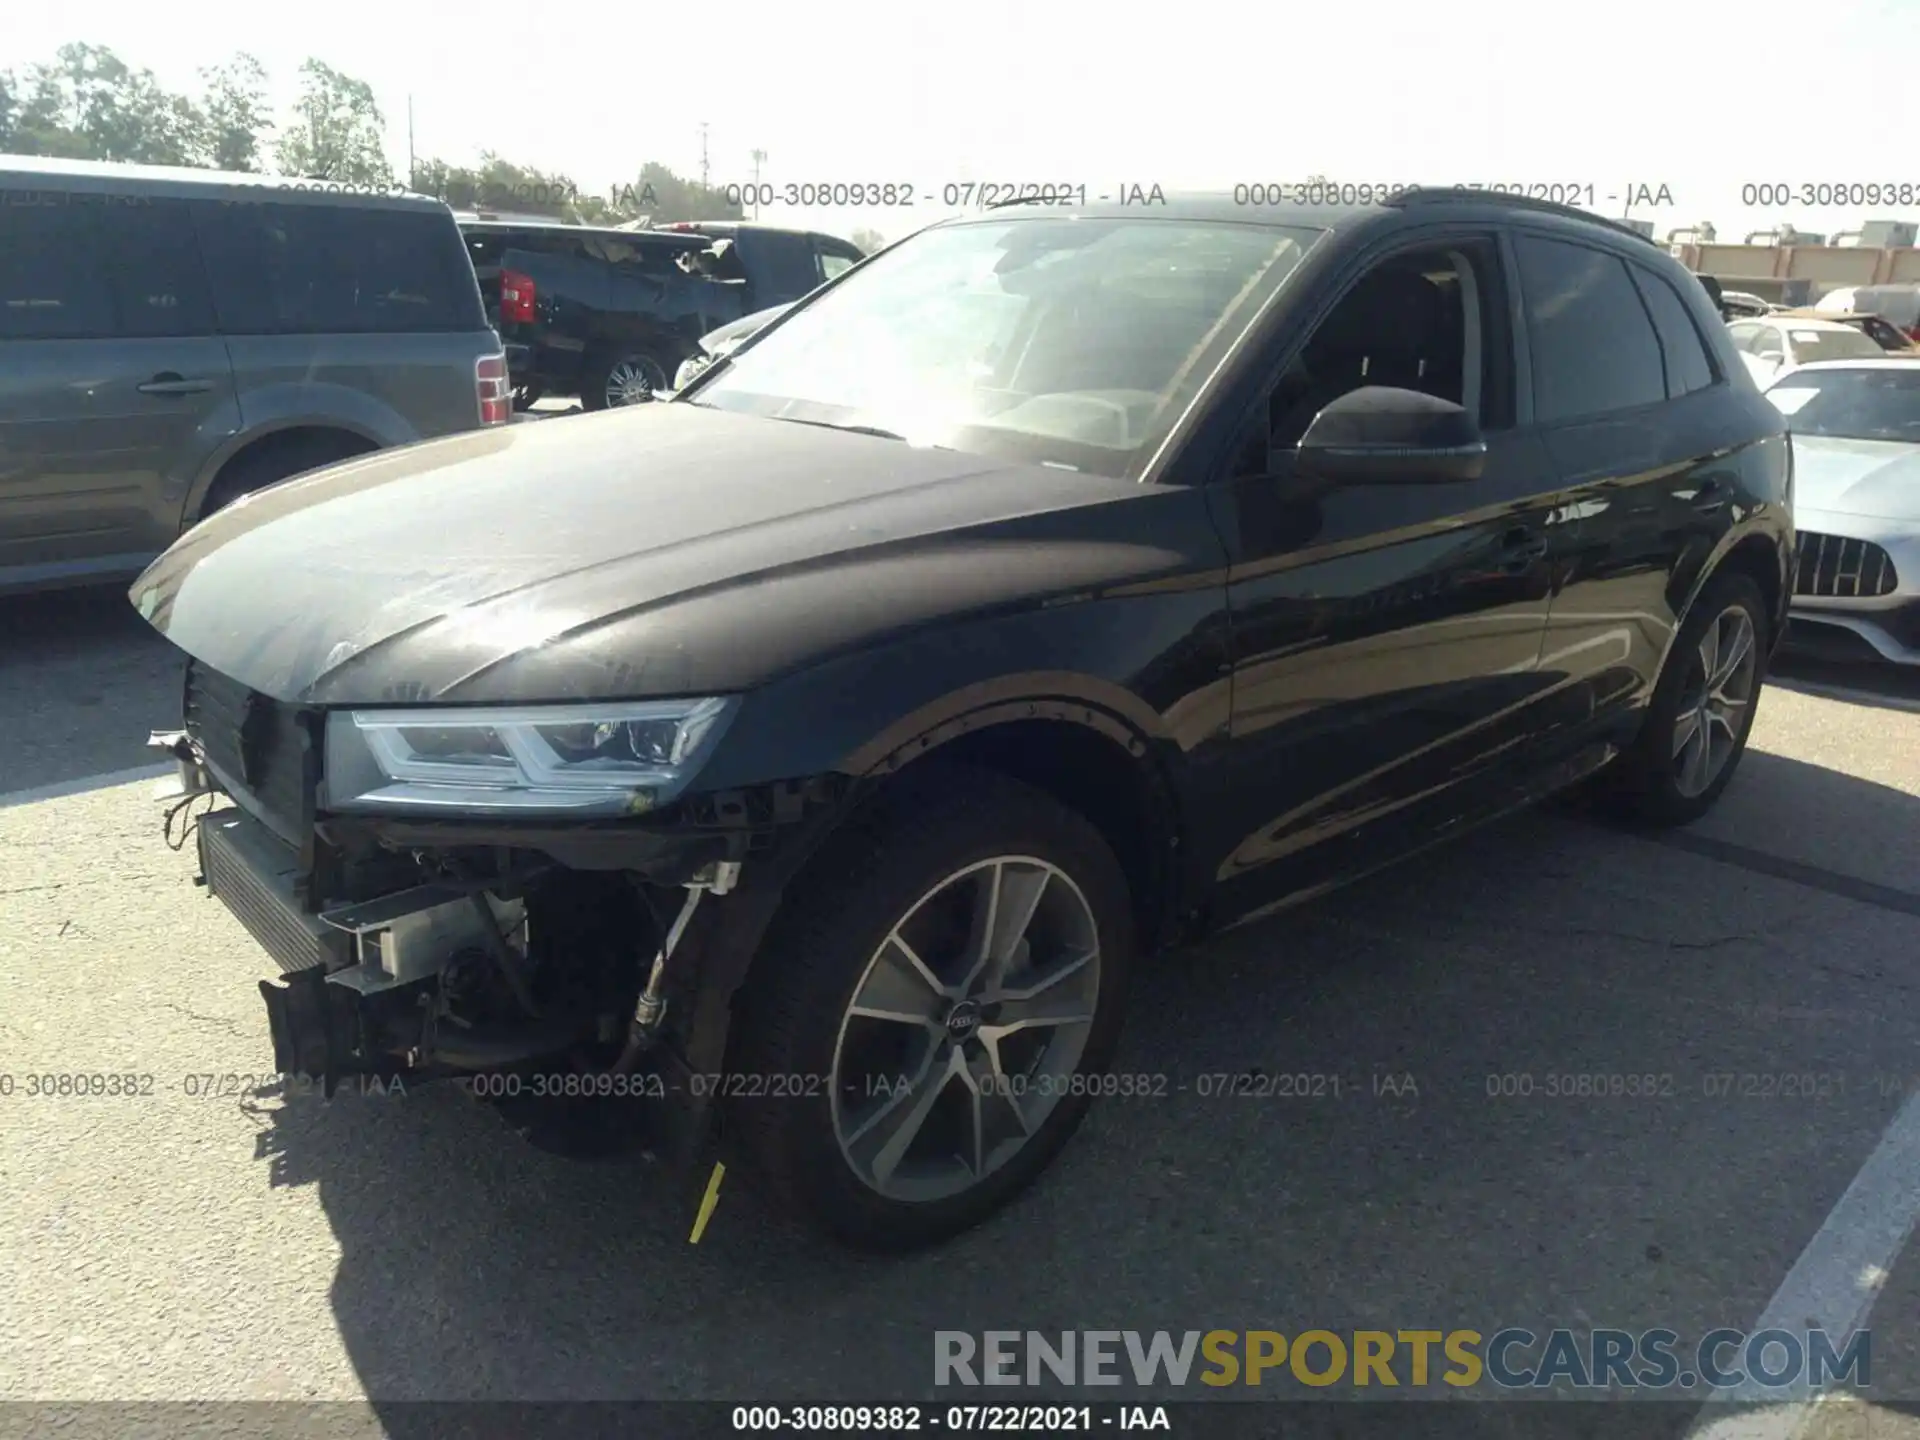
(873, 430)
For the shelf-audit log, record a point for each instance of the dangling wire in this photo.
(191, 822)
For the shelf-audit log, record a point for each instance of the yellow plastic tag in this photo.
(707, 1203)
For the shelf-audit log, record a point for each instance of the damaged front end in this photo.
(577, 973)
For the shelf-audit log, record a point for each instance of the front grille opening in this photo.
(258, 746)
(1838, 566)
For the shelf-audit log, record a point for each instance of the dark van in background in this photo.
(172, 339)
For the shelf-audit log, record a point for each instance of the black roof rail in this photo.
(1454, 194)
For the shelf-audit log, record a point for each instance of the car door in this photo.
(1640, 423)
(1384, 637)
(115, 387)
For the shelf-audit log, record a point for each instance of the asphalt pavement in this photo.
(180, 1245)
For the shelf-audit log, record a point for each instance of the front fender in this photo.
(1149, 668)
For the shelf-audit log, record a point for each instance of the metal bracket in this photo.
(651, 1008)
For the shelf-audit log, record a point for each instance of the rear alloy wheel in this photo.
(1722, 678)
(927, 1025)
(1702, 710)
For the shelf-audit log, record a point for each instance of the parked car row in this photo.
(172, 340)
(1844, 376)
(609, 316)
(1856, 447)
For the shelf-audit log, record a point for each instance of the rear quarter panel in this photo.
(387, 389)
(390, 388)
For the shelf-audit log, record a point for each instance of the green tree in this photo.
(234, 104)
(337, 131)
(663, 196)
(9, 112)
(88, 103)
(499, 184)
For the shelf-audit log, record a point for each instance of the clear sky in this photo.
(1204, 93)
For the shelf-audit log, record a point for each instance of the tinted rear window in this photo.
(51, 286)
(281, 269)
(93, 267)
(1688, 368)
(1594, 349)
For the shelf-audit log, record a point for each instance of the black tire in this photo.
(854, 893)
(269, 464)
(1642, 785)
(597, 373)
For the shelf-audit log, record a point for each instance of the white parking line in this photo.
(1834, 1283)
(83, 784)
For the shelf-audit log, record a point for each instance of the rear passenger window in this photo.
(51, 286)
(153, 269)
(1594, 349)
(1688, 368)
(331, 269)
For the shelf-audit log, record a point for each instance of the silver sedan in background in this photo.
(1856, 453)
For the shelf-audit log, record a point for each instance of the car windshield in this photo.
(1076, 342)
(1879, 331)
(1871, 403)
(1841, 343)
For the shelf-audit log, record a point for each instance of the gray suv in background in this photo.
(172, 339)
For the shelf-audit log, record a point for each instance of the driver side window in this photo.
(1432, 320)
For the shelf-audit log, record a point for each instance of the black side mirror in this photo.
(1378, 435)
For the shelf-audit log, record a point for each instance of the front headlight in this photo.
(622, 758)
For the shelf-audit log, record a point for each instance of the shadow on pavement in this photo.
(83, 679)
(56, 624)
(473, 1267)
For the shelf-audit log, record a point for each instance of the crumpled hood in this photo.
(1872, 479)
(663, 549)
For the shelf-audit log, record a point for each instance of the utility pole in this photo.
(704, 183)
(759, 158)
(412, 172)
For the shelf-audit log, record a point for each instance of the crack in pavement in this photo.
(231, 1026)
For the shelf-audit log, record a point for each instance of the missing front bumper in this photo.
(317, 1032)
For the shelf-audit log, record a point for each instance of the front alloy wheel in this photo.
(967, 1028)
(932, 1010)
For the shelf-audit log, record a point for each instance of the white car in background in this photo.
(1773, 346)
(1856, 482)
